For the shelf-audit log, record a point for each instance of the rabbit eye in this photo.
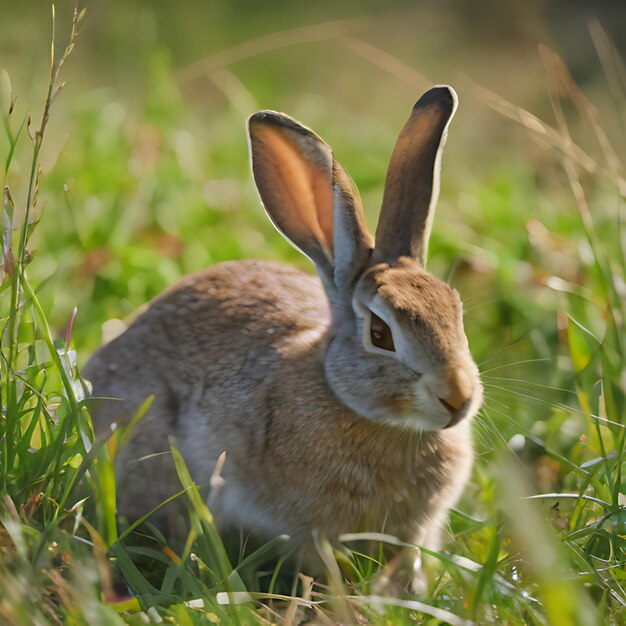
(380, 334)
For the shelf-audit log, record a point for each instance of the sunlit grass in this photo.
(135, 201)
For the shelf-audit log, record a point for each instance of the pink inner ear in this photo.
(296, 191)
(323, 192)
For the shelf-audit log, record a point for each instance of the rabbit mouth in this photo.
(405, 409)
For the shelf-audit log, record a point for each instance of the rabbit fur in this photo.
(343, 402)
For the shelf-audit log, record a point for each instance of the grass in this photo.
(540, 536)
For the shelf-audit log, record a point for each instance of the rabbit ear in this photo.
(353, 242)
(412, 185)
(307, 195)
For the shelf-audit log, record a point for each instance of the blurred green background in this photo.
(145, 178)
(148, 134)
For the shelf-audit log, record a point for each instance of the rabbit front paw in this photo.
(401, 574)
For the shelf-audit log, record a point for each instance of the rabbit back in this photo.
(203, 349)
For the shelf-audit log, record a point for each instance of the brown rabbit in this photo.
(343, 402)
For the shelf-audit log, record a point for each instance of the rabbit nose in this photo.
(459, 395)
(457, 414)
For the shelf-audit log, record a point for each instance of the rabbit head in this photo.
(397, 352)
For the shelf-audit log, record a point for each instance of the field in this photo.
(134, 172)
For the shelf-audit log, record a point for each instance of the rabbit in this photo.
(342, 402)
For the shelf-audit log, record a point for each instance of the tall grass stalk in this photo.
(591, 323)
(19, 357)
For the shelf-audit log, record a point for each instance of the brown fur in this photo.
(353, 474)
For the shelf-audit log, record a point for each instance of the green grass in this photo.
(535, 246)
